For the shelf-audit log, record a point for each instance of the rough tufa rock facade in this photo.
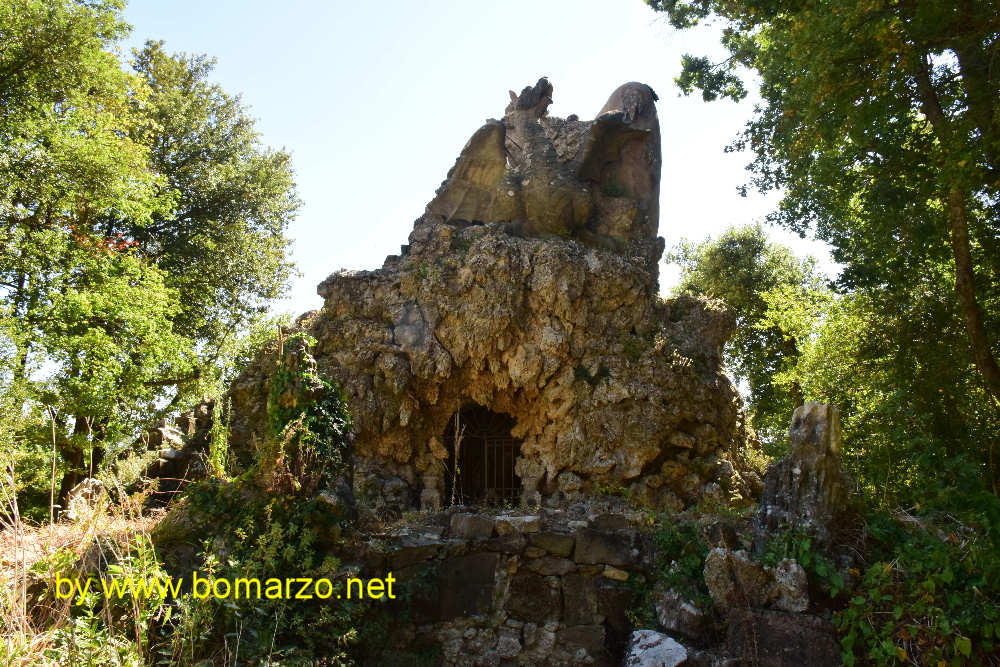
(807, 489)
(529, 288)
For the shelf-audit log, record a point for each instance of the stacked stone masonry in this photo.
(537, 589)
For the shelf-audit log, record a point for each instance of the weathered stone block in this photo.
(532, 599)
(593, 546)
(791, 586)
(554, 543)
(408, 555)
(779, 639)
(590, 638)
(734, 580)
(579, 600)
(471, 526)
(550, 565)
(609, 522)
(680, 615)
(507, 544)
(613, 600)
(467, 584)
(512, 525)
(648, 648)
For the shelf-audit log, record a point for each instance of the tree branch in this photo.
(167, 382)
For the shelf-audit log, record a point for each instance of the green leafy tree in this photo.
(142, 229)
(741, 267)
(880, 122)
(223, 245)
(87, 316)
(914, 429)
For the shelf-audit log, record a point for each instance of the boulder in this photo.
(791, 586)
(679, 615)
(648, 648)
(735, 581)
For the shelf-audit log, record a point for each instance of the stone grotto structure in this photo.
(519, 333)
(514, 374)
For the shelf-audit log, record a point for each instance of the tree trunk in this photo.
(986, 363)
(965, 290)
(73, 456)
(791, 351)
(72, 453)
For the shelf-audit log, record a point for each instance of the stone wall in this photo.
(549, 588)
(554, 587)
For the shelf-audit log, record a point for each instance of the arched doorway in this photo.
(485, 462)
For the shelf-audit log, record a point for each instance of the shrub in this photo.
(796, 543)
(282, 516)
(680, 561)
(36, 626)
(929, 595)
(265, 538)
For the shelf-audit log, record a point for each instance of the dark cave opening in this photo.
(486, 453)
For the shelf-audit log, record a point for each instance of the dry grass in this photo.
(28, 556)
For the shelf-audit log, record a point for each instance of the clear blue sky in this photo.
(375, 100)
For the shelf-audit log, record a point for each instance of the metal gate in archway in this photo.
(486, 455)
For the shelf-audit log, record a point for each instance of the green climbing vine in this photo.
(308, 421)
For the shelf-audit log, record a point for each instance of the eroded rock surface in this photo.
(648, 648)
(806, 490)
(779, 639)
(597, 180)
(680, 615)
(529, 288)
(737, 582)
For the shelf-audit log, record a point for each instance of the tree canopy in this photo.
(142, 225)
(880, 122)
